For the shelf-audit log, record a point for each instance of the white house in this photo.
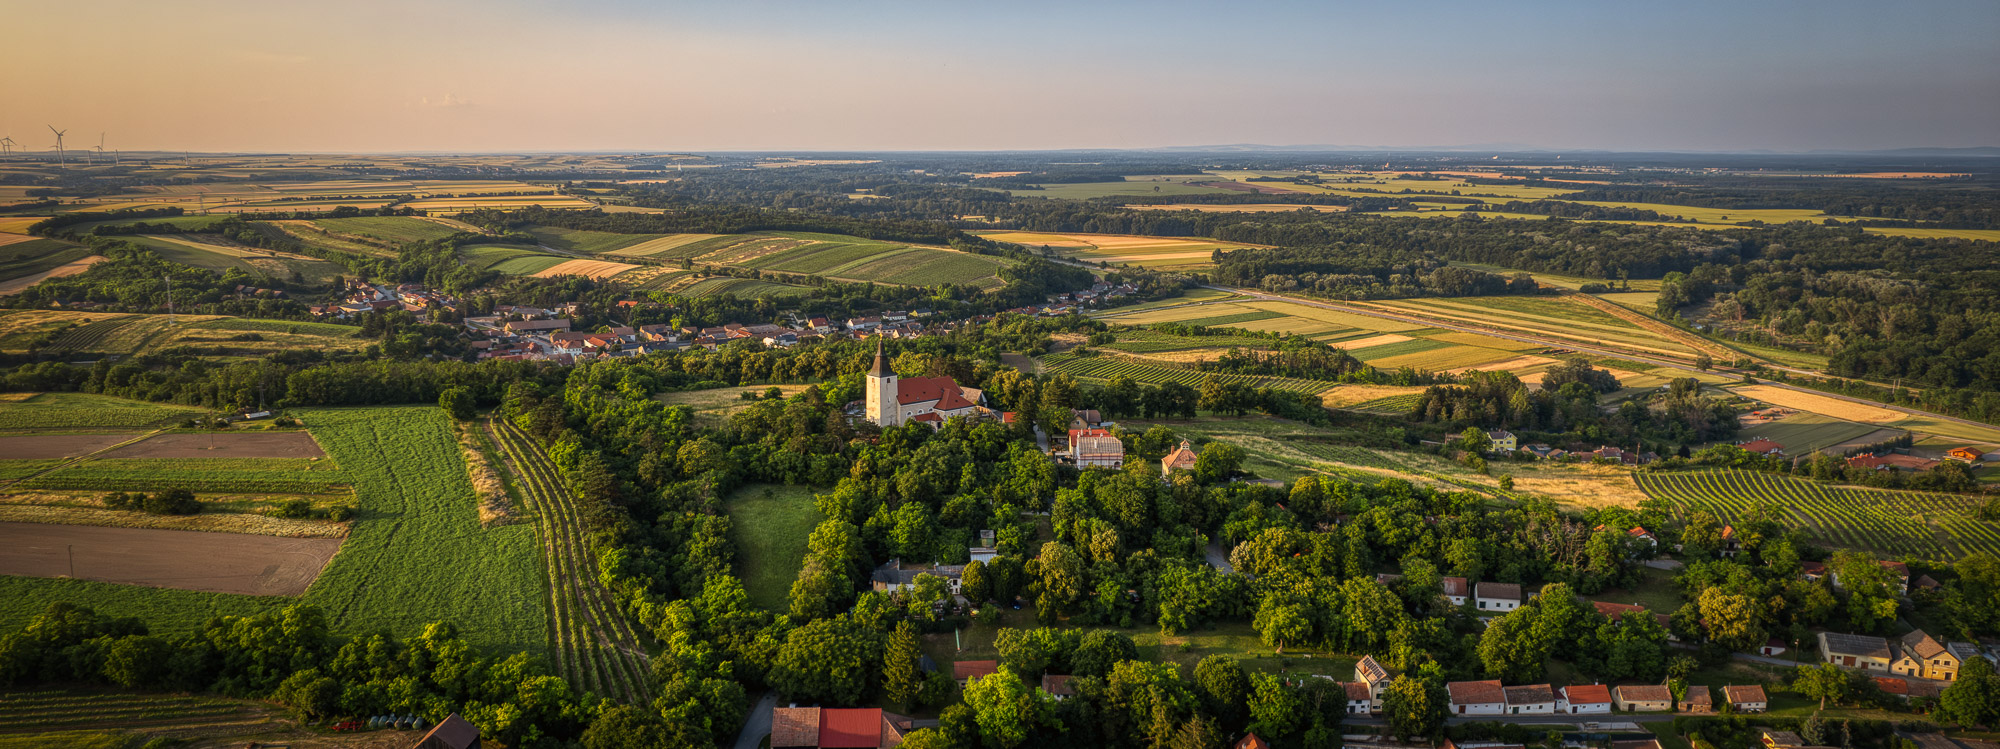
(1748, 698)
(1360, 699)
(1530, 699)
(1497, 597)
(1455, 589)
(1371, 673)
(1477, 697)
(1584, 699)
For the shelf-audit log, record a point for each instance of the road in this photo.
(1666, 363)
(758, 724)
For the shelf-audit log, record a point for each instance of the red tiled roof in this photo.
(1812, 568)
(1455, 586)
(1356, 691)
(794, 726)
(1057, 684)
(1529, 694)
(973, 669)
(1615, 610)
(1892, 685)
(1645, 693)
(1587, 694)
(1476, 692)
(1252, 741)
(850, 728)
(925, 389)
(1761, 445)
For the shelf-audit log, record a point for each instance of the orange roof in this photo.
(1611, 610)
(973, 669)
(1252, 741)
(850, 728)
(1892, 685)
(1476, 692)
(1587, 694)
(925, 389)
(794, 726)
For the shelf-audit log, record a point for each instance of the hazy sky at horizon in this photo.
(500, 75)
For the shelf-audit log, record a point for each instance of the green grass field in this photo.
(209, 254)
(1136, 186)
(391, 229)
(486, 256)
(416, 554)
(741, 287)
(274, 475)
(770, 524)
(592, 242)
(52, 411)
(22, 259)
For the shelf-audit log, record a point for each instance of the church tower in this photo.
(883, 408)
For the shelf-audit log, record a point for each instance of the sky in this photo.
(525, 75)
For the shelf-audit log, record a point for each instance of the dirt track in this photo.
(44, 446)
(189, 560)
(224, 445)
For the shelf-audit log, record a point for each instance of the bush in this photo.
(342, 512)
(293, 508)
(173, 502)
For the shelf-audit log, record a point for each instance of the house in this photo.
(1762, 447)
(451, 733)
(1616, 611)
(1181, 459)
(1965, 454)
(1855, 651)
(1097, 450)
(1455, 590)
(1361, 699)
(892, 576)
(1746, 698)
(519, 327)
(846, 728)
(1697, 700)
(966, 671)
(1370, 672)
(1251, 741)
(1927, 582)
(1641, 535)
(1502, 440)
(1584, 699)
(1773, 646)
(1477, 697)
(1893, 686)
(819, 325)
(1497, 596)
(1643, 698)
(1812, 571)
(1058, 686)
(1530, 699)
(893, 401)
(1924, 657)
(1780, 740)
(1731, 545)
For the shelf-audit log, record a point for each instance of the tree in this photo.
(1217, 462)
(1823, 682)
(973, 583)
(1276, 709)
(1974, 699)
(1005, 709)
(828, 660)
(1224, 689)
(1733, 621)
(1280, 620)
(310, 695)
(1703, 362)
(902, 670)
(1414, 707)
(136, 662)
(458, 402)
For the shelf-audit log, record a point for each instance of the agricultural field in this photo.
(1107, 368)
(185, 560)
(23, 257)
(1383, 343)
(253, 513)
(668, 246)
(69, 411)
(596, 270)
(212, 253)
(1946, 433)
(128, 334)
(598, 242)
(1938, 527)
(1143, 341)
(78, 720)
(1131, 186)
(742, 287)
(1240, 207)
(395, 230)
(1804, 433)
(770, 525)
(592, 643)
(233, 193)
(488, 256)
(527, 264)
(1542, 318)
(1171, 253)
(714, 406)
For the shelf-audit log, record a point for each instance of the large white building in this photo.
(894, 401)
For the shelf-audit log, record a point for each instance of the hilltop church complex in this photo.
(894, 401)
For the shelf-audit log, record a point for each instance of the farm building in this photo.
(1477, 697)
(451, 733)
(1697, 700)
(1746, 698)
(1731, 545)
(1773, 646)
(1498, 596)
(1855, 651)
(1922, 656)
(1643, 698)
(892, 576)
(1584, 699)
(1762, 447)
(1181, 459)
(1530, 699)
(1966, 454)
(1360, 699)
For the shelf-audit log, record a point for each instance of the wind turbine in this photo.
(61, 157)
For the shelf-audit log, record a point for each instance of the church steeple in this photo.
(881, 368)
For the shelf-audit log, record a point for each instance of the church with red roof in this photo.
(895, 401)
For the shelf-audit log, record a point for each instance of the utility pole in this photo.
(170, 299)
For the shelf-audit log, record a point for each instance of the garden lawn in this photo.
(770, 525)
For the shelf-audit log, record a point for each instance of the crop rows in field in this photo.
(84, 337)
(1231, 319)
(1148, 342)
(1108, 368)
(1915, 524)
(393, 229)
(58, 710)
(207, 475)
(1349, 454)
(1394, 405)
(591, 641)
(282, 326)
(49, 411)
